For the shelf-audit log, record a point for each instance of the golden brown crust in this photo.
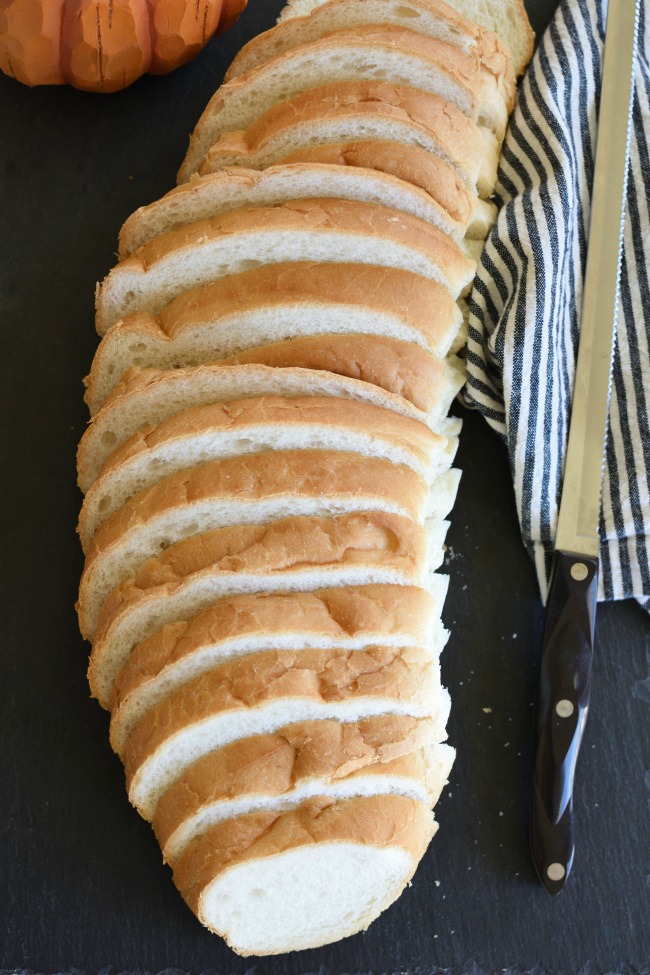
(380, 821)
(274, 764)
(457, 135)
(361, 614)
(409, 163)
(403, 674)
(401, 368)
(346, 216)
(259, 476)
(263, 410)
(421, 304)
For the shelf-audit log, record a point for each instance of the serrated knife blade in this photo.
(567, 647)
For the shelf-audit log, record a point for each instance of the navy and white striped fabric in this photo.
(524, 309)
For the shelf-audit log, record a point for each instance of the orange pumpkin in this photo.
(105, 45)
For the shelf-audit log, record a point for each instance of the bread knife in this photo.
(567, 645)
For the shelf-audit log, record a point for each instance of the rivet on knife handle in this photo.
(562, 704)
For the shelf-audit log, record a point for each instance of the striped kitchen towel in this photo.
(524, 309)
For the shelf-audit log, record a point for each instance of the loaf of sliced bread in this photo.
(264, 691)
(338, 865)
(293, 555)
(506, 18)
(364, 110)
(381, 52)
(277, 771)
(268, 467)
(325, 230)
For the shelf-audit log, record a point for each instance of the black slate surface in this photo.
(81, 883)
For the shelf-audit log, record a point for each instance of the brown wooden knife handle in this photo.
(562, 705)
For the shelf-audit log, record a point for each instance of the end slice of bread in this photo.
(338, 864)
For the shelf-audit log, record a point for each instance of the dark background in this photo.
(81, 882)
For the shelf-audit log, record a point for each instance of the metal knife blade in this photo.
(567, 648)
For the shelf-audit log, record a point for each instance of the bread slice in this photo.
(267, 690)
(295, 763)
(426, 383)
(255, 489)
(365, 110)
(378, 52)
(150, 396)
(326, 230)
(234, 626)
(429, 18)
(296, 554)
(254, 425)
(467, 215)
(214, 194)
(506, 18)
(275, 303)
(411, 381)
(337, 864)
